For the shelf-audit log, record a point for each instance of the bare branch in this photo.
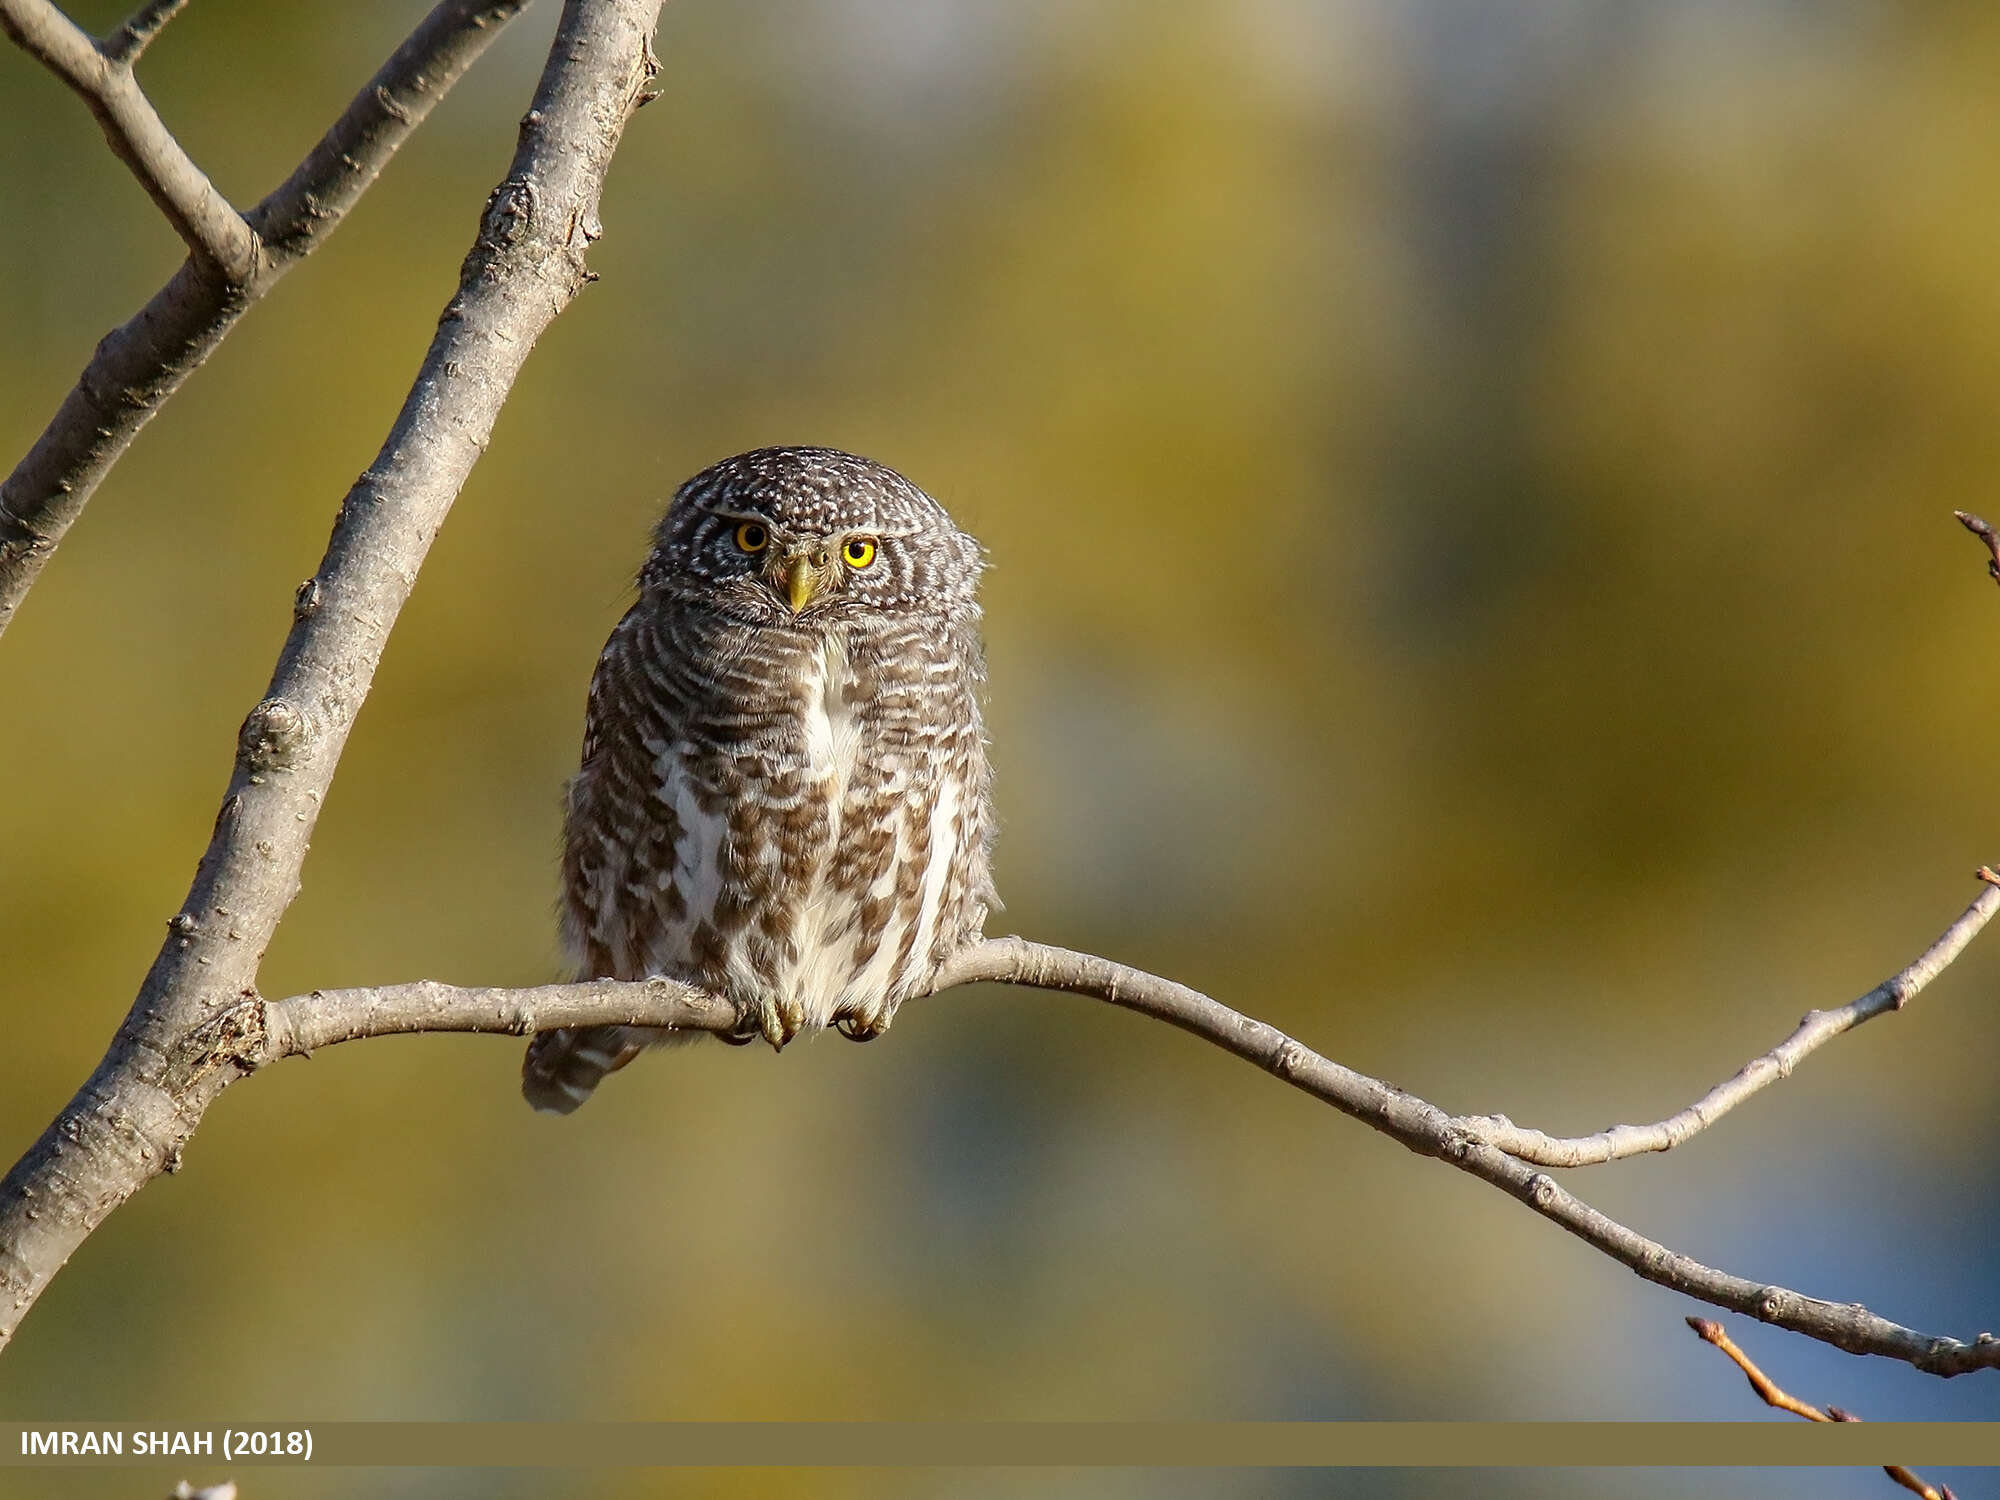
(216, 233)
(305, 1023)
(139, 365)
(130, 40)
(1773, 1395)
(255, 1033)
(1985, 532)
(1428, 1131)
(130, 1119)
(302, 210)
(1817, 1029)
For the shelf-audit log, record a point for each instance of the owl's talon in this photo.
(855, 1029)
(772, 1021)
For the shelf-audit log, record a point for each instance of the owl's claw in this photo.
(777, 1022)
(773, 1021)
(859, 1029)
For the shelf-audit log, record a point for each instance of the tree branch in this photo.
(1428, 1131)
(139, 365)
(173, 1053)
(216, 233)
(1769, 1391)
(257, 1033)
(303, 1024)
(1817, 1029)
(130, 40)
(1983, 529)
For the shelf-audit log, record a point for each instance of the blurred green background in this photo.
(1469, 492)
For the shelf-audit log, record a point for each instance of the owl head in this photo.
(811, 538)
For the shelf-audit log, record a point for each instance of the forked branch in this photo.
(137, 366)
(102, 77)
(1817, 1029)
(171, 1056)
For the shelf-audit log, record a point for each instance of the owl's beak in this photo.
(802, 581)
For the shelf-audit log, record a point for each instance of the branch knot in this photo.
(273, 737)
(510, 214)
(230, 1036)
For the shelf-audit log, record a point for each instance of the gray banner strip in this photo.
(193, 1446)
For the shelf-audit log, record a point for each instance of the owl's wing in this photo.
(618, 837)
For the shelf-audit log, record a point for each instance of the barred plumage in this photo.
(784, 795)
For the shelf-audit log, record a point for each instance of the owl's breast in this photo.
(814, 833)
(828, 692)
(866, 857)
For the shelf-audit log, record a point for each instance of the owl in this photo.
(784, 797)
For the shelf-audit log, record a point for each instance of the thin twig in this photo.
(171, 1055)
(1817, 1029)
(130, 40)
(1711, 1332)
(1985, 532)
(137, 366)
(1774, 1395)
(215, 233)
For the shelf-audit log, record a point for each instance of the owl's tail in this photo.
(562, 1067)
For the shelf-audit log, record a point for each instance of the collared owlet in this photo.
(784, 796)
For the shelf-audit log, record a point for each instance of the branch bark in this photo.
(130, 1119)
(138, 365)
(1817, 1029)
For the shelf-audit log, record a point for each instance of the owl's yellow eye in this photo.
(858, 553)
(752, 537)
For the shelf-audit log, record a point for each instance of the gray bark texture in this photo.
(173, 1053)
